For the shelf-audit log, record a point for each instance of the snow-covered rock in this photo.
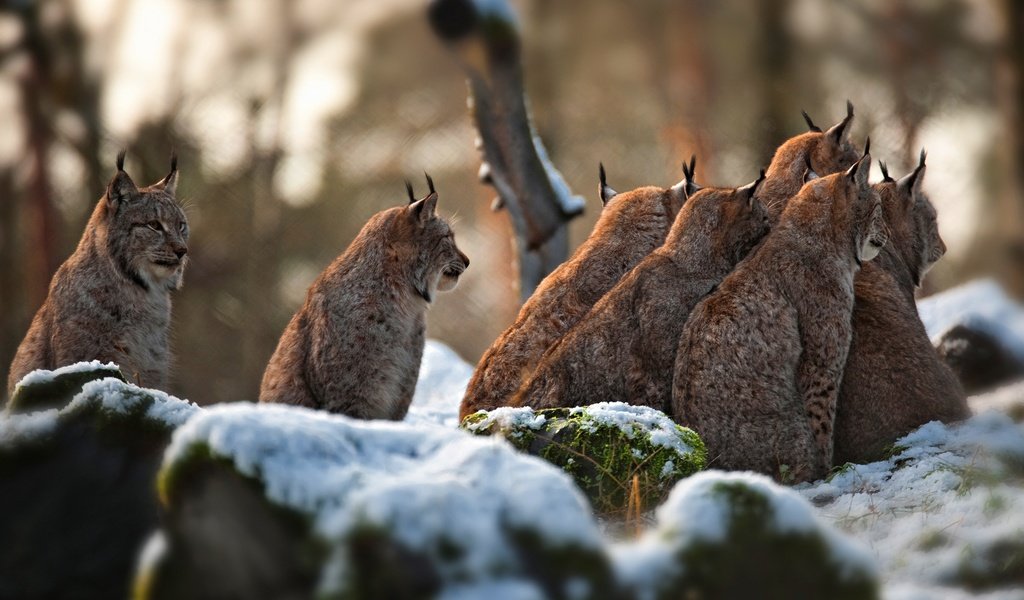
(77, 496)
(280, 501)
(619, 454)
(739, 535)
(44, 389)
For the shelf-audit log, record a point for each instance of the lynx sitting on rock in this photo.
(761, 359)
(632, 224)
(111, 299)
(355, 345)
(625, 348)
(824, 152)
(894, 379)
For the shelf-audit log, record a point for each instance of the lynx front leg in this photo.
(818, 380)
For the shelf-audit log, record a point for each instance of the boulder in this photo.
(739, 535)
(44, 389)
(78, 495)
(623, 457)
(286, 502)
(979, 359)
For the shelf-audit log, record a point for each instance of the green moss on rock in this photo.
(619, 455)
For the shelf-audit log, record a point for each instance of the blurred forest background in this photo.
(296, 120)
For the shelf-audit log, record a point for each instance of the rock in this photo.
(738, 535)
(78, 499)
(979, 359)
(285, 502)
(620, 455)
(44, 389)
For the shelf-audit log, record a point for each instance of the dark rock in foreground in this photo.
(979, 359)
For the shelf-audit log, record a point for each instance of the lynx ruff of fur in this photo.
(826, 152)
(632, 224)
(894, 380)
(625, 348)
(761, 359)
(111, 299)
(355, 345)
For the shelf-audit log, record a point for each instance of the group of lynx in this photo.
(758, 321)
(354, 347)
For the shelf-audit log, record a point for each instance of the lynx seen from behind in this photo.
(823, 152)
(355, 345)
(894, 380)
(761, 359)
(632, 224)
(111, 299)
(625, 348)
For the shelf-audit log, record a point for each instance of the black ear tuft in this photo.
(849, 109)
(408, 190)
(810, 124)
(601, 178)
(603, 190)
(885, 173)
(867, 146)
(689, 171)
(924, 155)
(120, 159)
(430, 182)
(174, 161)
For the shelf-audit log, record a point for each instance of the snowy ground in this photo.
(947, 508)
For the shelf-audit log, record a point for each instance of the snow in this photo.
(427, 485)
(115, 396)
(631, 420)
(981, 305)
(509, 418)
(19, 428)
(442, 384)
(44, 376)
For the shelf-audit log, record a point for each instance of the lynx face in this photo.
(438, 262)
(870, 231)
(147, 232)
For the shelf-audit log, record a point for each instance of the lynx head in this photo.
(641, 210)
(437, 262)
(912, 219)
(145, 229)
(729, 222)
(820, 152)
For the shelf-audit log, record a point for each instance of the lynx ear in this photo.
(425, 209)
(838, 132)
(603, 190)
(169, 183)
(751, 188)
(859, 171)
(810, 124)
(689, 174)
(913, 181)
(121, 188)
(809, 173)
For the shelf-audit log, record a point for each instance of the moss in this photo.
(999, 565)
(618, 467)
(755, 560)
(57, 391)
(554, 567)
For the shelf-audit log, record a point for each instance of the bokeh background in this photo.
(296, 120)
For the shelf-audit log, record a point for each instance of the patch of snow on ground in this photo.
(949, 493)
(428, 485)
(981, 305)
(441, 386)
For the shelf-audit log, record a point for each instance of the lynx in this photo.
(761, 359)
(894, 379)
(631, 226)
(625, 348)
(823, 152)
(111, 299)
(355, 345)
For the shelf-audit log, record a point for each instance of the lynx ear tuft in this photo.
(885, 173)
(603, 190)
(809, 173)
(838, 132)
(430, 183)
(169, 183)
(914, 180)
(810, 124)
(859, 171)
(689, 175)
(121, 188)
(408, 190)
(867, 146)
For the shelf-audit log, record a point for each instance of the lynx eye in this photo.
(155, 226)
(181, 227)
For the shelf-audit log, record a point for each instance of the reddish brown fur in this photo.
(631, 225)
